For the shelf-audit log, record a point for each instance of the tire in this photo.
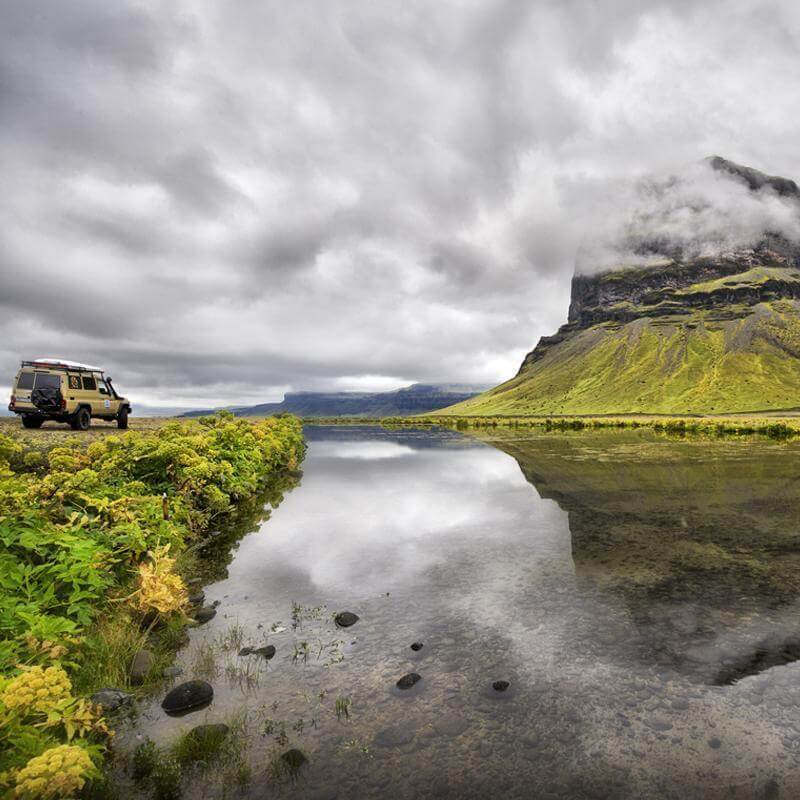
(122, 418)
(31, 422)
(81, 420)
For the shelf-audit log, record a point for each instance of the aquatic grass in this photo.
(233, 638)
(204, 665)
(301, 652)
(166, 779)
(200, 747)
(342, 707)
(144, 761)
(245, 674)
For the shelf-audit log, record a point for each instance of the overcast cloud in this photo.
(220, 201)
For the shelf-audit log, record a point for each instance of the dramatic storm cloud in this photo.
(221, 201)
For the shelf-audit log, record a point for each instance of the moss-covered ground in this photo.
(700, 363)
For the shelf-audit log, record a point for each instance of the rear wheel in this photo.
(81, 420)
(122, 418)
(31, 422)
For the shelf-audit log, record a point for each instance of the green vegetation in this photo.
(774, 428)
(702, 364)
(89, 535)
(342, 707)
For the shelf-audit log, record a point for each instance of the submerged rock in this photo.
(197, 598)
(417, 646)
(173, 672)
(407, 681)
(205, 740)
(266, 652)
(500, 686)
(188, 696)
(294, 760)
(140, 667)
(110, 699)
(205, 614)
(393, 737)
(344, 619)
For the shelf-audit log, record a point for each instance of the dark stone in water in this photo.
(197, 598)
(714, 743)
(344, 619)
(500, 686)
(417, 646)
(188, 696)
(205, 614)
(294, 760)
(140, 667)
(110, 699)
(407, 681)
(267, 652)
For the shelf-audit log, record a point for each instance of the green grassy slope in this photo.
(698, 363)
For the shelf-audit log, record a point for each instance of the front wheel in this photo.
(122, 418)
(31, 422)
(81, 420)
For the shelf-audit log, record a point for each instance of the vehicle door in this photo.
(110, 405)
(89, 394)
(75, 392)
(23, 388)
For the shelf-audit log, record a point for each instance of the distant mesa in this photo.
(707, 333)
(419, 398)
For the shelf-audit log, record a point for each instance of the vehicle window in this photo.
(46, 380)
(89, 383)
(74, 382)
(25, 380)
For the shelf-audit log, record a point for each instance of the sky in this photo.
(223, 201)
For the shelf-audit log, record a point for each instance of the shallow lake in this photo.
(638, 593)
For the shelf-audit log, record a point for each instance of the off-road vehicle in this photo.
(65, 391)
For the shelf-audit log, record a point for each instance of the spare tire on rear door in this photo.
(47, 399)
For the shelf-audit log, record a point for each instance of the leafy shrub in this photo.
(83, 528)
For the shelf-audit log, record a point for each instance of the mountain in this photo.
(419, 398)
(689, 334)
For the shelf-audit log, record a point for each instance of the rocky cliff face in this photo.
(731, 284)
(684, 334)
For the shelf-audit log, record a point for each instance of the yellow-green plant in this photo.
(83, 528)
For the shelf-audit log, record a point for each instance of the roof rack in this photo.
(58, 363)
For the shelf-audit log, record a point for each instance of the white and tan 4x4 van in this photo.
(65, 391)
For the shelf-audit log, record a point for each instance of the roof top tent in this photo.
(61, 363)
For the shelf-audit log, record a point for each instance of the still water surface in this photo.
(638, 593)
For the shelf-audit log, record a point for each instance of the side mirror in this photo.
(108, 380)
